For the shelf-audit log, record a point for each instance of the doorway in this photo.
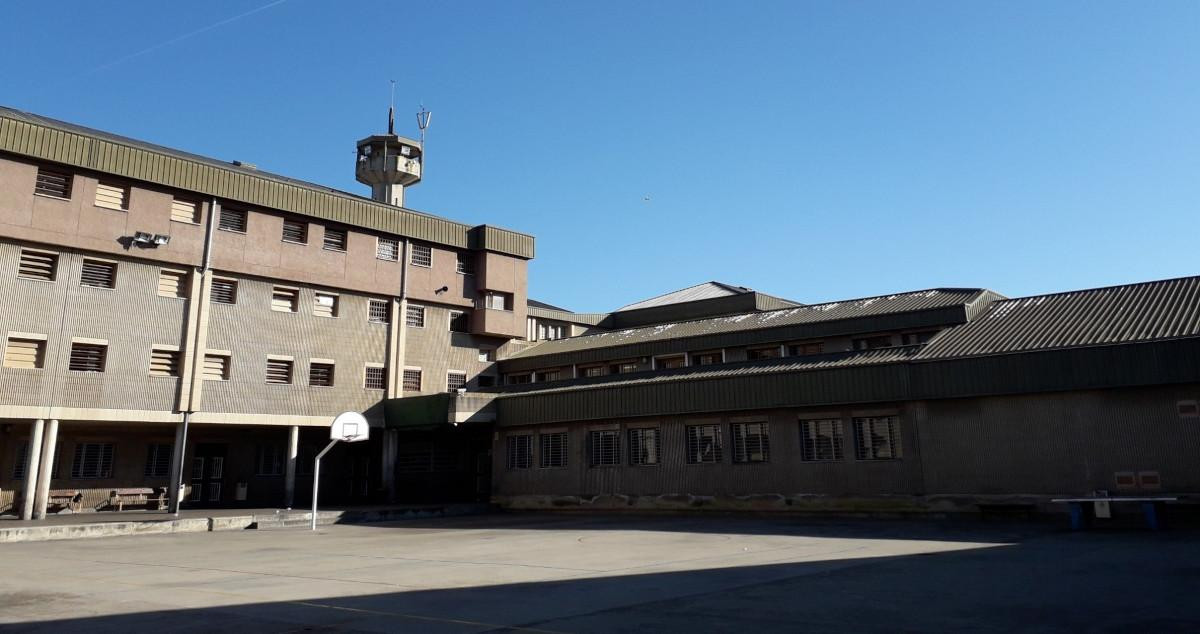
(208, 475)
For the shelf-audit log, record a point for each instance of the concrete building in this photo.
(185, 328)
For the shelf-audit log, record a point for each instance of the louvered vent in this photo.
(320, 375)
(52, 183)
(279, 371)
(28, 354)
(183, 210)
(37, 265)
(284, 300)
(216, 367)
(224, 291)
(172, 283)
(295, 231)
(98, 274)
(164, 362)
(87, 357)
(232, 220)
(110, 196)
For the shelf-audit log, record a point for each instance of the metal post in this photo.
(289, 481)
(176, 498)
(46, 470)
(32, 468)
(317, 478)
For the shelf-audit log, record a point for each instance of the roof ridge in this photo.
(1101, 288)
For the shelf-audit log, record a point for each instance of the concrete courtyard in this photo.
(556, 573)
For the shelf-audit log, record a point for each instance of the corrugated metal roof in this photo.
(706, 290)
(1118, 314)
(829, 312)
(697, 373)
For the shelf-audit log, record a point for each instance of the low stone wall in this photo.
(898, 505)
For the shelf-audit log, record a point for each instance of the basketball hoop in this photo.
(346, 427)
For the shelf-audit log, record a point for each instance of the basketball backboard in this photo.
(349, 427)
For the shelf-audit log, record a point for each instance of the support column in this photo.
(32, 468)
(289, 483)
(391, 442)
(46, 470)
(175, 492)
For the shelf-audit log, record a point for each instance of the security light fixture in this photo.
(161, 240)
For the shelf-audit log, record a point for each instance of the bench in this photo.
(66, 498)
(1100, 508)
(120, 497)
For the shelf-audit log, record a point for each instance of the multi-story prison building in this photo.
(191, 326)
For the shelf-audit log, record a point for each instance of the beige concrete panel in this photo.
(424, 283)
(57, 216)
(263, 240)
(16, 192)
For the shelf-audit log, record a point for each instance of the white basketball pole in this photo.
(317, 479)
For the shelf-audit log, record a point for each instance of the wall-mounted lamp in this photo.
(150, 241)
(441, 290)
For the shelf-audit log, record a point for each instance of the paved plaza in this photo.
(554, 573)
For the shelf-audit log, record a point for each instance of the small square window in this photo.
(232, 220)
(519, 451)
(604, 448)
(703, 444)
(496, 300)
(422, 255)
(98, 274)
(224, 291)
(335, 239)
(38, 265)
(460, 321)
(295, 231)
(751, 442)
(645, 448)
(52, 183)
(821, 440)
(158, 460)
(455, 380)
(387, 249)
(88, 357)
(415, 316)
(375, 377)
(770, 352)
(112, 196)
(325, 304)
(877, 438)
(412, 380)
(466, 263)
(279, 371)
(93, 461)
(552, 449)
(487, 354)
(320, 374)
(284, 299)
(379, 311)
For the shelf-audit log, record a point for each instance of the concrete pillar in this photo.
(32, 468)
(289, 482)
(390, 446)
(178, 450)
(46, 470)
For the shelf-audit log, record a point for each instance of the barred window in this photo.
(755, 354)
(92, 460)
(414, 316)
(375, 377)
(645, 449)
(751, 442)
(520, 451)
(87, 357)
(335, 239)
(595, 370)
(269, 461)
(158, 461)
(708, 358)
(466, 263)
(624, 368)
(604, 447)
(379, 311)
(806, 349)
(703, 444)
(98, 274)
(412, 380)
(669, 363)
(455, 380)
(223, 291)
(279, 371)
(422, 255)
(873, 343)
(821, 440)
(320, 374)
(517, 379)
(460, 321)
(387, 249)
(877, 438)
(232, 220)
(52, 183)
(295, 231)
(553, 450)
(37, 265)
(547, 376)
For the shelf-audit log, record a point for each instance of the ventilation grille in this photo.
(87, 357)
(164, 362)
(320, 375)
(52, 183)
(172, 283)
(335, 239)
(98, 274)
(232, 220)
(224, 291)
(284, 300)
(37, 265)
(279, 371)
(112, 196)
(185, 211)
(216, 367)
(27, 354)
(295, 231)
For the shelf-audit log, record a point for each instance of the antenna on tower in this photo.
(392, 110)
(423, 118)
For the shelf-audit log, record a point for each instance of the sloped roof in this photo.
(833, 311)
(707, 290)
(543, 305)
(1117, 314)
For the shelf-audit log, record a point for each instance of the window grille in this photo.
(917, 338)
(185, 211)
(379, 311)
(320, 374)
(645, 449)
(21, 463)
(755, 354)
(98, 274)
(877, 438)
(520, 451)
(279, 371)
(87, 357)
(455, 380)
(460, 321)
(604, 447)
(421, 255)
(517, 379)
(703, 444)
(110, 196)
(414, 316)
(232, 220)
(548, 375)
(707, 358)
(670, 363)
(751, 442)
(466, 263)
(624, 368)
(164, 362)
(92, 461)
(335, 239)
(224, 291)
(52, 183)
(325, 305)
(873, 343)
(806, 349)
(412, 380)
(158, 461)
(553, 450)
(387, 249)
(595, 370)
(295, 231)
(37, 265)
(821, 440)
(495, 300)
(216, 367)
(375, 378)
(172, 283)
(25, 353)
(269, 461)
(285, 300)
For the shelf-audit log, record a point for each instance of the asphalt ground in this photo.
(573, 573)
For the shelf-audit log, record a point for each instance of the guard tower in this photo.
(388, 163)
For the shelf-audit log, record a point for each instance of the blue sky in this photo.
(813, 150)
